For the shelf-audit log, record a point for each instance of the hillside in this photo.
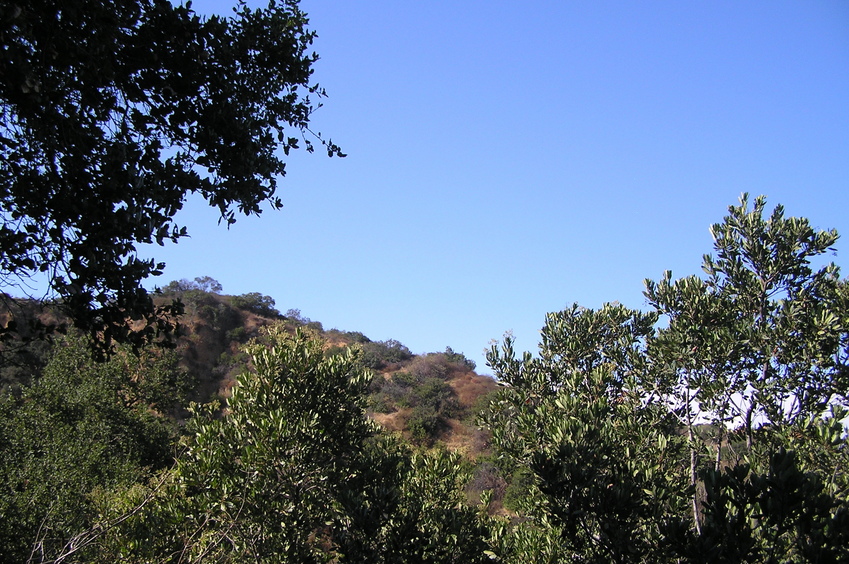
(431, 400)
(428, 398)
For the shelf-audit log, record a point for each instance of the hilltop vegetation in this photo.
(422, 396)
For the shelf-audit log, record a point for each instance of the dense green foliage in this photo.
(296, 472)
(602, 457)
(79, 431)
(256, 303)
(112, 113)
(200, 283)
(710, 429)
(606, 417)
(379, 354)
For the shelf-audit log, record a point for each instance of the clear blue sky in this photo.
(509, 158)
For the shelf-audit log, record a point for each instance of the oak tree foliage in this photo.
(81, 429)
(112, 114)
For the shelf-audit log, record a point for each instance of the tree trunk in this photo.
(694, 460)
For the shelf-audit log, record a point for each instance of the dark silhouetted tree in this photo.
(112, 114)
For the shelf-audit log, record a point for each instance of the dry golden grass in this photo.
(470, 386)
(394, 422)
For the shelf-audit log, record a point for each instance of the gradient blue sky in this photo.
(509, 158)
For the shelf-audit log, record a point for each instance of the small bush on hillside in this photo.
(425, 424)
(438, 395)
(357, 337)
(381, 403)
(256, 303)
(439, 365)
(220, 316)
(431, 365)
(377, 383)
(347, 337)
(379, 354)
(391, 391)
(459, 359)
(384, 395)
(238, 334)
(201, 283)
(404, 379)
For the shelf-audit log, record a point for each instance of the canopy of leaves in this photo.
(604, 418)
(112, 113)
(763, 338)
(294, 471)
(80, 429)
(200, 283)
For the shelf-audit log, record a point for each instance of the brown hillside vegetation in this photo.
(429, 398)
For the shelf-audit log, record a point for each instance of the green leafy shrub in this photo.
(404, 379)
(379, 354)
(294, 471)
(219, 315)
(518, 490)
(381, 403)
(81, 428)
(425, 424)
(459, 359)
(437, 395)
(256, 303)
(357, 337)
(238, 334)
(432, 399)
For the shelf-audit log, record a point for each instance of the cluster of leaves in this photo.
(79, 429)
(112, 114)
(201, 283)
(296, 472)
(380, 354)
(604, 419)
(257, 303)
